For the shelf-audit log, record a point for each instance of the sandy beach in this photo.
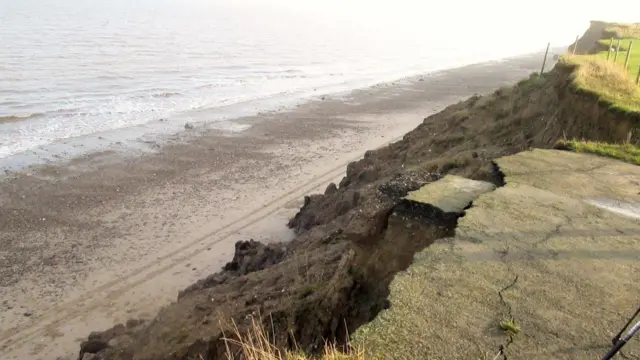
(105, 238)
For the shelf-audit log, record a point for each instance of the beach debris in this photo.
(189, 126)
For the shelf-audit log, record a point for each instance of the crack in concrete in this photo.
(500, 294)
(548, 237)
(510, 339)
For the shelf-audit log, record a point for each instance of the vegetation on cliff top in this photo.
(609, 81)
(625, 152)
(629, 36)
(607, 77)
(623, 30)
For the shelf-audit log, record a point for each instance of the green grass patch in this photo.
(608, 80)
(605, 75)
(625, 152)
(625, 43)
(606, 43)
(510, 327)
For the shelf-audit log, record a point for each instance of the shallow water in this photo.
(70, 68)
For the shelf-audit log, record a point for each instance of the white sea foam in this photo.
(86, 67)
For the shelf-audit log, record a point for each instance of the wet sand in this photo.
(105, 238)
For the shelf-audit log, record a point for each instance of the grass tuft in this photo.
(626, 152)
(510, 327)
(608, 80)
(256, 345)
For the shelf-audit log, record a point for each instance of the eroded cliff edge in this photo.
(353, 239)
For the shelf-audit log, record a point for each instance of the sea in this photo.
(100, 72)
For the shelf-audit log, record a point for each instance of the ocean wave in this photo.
(16, 118)
(165, 94)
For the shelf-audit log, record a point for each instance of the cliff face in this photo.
(583, 115)
(464, 138)
(588, 42)
(353, 238)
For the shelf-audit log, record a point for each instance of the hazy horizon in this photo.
(74, 68)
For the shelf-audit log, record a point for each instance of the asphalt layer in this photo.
(554, 252)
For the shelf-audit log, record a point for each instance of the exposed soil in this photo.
(353, 238)
(588, 43)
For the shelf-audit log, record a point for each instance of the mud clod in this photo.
(249, 256)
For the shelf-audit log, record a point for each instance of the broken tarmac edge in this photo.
(451, 193)
(534, 251)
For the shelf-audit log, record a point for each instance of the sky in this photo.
(620, 10)
(513, 21)
(554, 19)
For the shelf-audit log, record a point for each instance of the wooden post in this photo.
(615, 58)
(575, 44)
(609, 49)
(626, 61)
(544, 61)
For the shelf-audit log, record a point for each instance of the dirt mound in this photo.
(249, 256)
(353, 238)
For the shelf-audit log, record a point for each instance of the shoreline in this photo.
(175, 215)
(141, 139)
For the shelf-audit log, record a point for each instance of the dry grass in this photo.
(625, 152)
(607, 77)
(624, 30)
(610, 81)
(255, 345)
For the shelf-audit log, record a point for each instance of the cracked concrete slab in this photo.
(537, 251)
(450, 194)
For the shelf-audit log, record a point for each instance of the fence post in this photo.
(626, 61)
(575, 44)
(545, 58)
(609, 49)
(615, 58)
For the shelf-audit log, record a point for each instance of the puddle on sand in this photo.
(630, 209)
